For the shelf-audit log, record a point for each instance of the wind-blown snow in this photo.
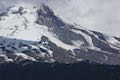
(24, 27)
(28, 36)
(112, 41)
(87, 38)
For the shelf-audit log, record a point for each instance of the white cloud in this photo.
(8, 3)
(100, 15)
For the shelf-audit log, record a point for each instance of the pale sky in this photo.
(100, 15)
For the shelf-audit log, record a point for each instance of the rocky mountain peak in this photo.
(39, 35)
(44, 10)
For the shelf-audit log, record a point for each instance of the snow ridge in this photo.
(51, 39)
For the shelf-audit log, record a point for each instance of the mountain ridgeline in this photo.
(36, 44)
(39, 35)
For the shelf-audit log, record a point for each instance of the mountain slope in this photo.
(38, 35)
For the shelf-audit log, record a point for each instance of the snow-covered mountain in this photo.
(39, 35)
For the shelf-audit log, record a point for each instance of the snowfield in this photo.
(37, 34)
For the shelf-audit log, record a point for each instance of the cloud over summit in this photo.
(100, 15)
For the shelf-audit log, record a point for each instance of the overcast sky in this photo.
(100, 15)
